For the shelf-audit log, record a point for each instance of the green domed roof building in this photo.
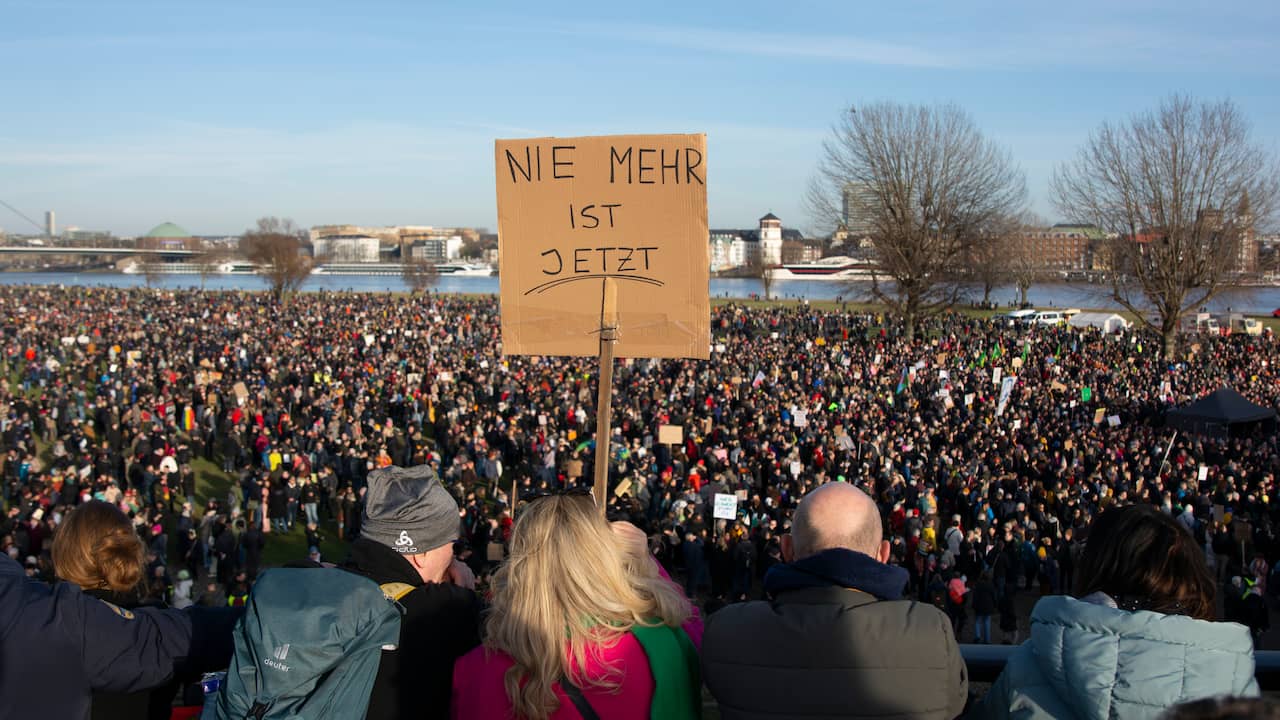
(167, 230)
(167, 236)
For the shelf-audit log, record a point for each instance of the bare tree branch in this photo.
(208, 261)
(757, 268)
(418, 273)
(927, 187)
(276, 246)
(1180, 191)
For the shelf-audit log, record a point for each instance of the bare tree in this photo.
(277, 247)
(1178, 189)
(472, 249)
(149, 263)
(418, 273)
(760, 270)
(1024, 265)
(926, 185)
(209, 260)
(989, 258)
(1024, 269)
(151, 272)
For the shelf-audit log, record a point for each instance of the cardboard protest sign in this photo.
(575, 212)
(670, 434)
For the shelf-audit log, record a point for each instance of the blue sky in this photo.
(122, 115)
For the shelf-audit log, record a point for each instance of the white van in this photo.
(1048, 317)
(1018, 317)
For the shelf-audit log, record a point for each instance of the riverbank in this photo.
(1258, 302)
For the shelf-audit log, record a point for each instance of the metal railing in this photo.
(986, 661)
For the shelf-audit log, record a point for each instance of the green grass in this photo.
(281, 548)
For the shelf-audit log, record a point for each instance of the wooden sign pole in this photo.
(604, 401)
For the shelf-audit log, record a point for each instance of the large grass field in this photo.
(281, 548)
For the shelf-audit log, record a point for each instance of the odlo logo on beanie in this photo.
(404, 543)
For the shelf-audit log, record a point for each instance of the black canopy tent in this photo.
(1221, 414)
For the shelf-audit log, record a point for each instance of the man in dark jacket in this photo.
(406, 545)
(837, 640)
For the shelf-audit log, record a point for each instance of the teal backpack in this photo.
(307, 647)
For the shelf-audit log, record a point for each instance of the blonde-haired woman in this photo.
(582, 624)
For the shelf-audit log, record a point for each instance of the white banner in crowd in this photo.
(1006, 389)
(726, 507)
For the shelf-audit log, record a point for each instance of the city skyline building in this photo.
(857, 201)
(764, 244)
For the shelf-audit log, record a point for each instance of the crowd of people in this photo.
(217, 421)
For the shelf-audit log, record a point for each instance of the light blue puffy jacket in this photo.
(1090, 662)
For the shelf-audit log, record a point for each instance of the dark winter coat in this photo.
(151, 703)
(441, 622)
(835, 642)
(984, 598)
(58, 645)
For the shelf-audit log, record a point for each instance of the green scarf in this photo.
(677, 680)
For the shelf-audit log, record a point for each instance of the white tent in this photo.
(1107, 322)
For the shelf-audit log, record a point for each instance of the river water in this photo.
(1257, 301)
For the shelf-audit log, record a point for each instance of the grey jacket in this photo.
(832, 652)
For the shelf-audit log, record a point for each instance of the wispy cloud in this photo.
(209, 151)
(819, 47)
(840, 48)
(195, 40)
(217, 177)
(1097, 43)
(501, 130)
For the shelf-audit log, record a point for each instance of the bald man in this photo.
(836, 640)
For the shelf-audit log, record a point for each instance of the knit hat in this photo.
(409, 510)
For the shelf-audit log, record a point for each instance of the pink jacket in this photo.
(478, 693)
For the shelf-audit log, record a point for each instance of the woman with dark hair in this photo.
(1140, 637)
